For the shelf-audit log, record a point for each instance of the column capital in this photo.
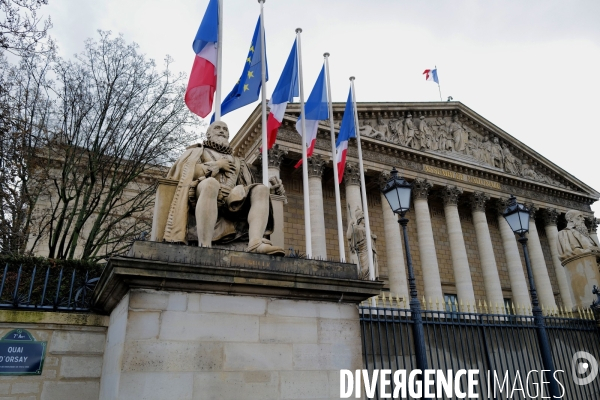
(592, 223)
(532, 210)
(478, 200)
(450, 195)
(383, 178)
(352, 174)
(316, 166)
(550, 216)
(276, 155)
(501, 205)
(421, 188)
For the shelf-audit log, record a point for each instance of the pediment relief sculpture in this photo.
(449, 136)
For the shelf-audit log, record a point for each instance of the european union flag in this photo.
(247, 88)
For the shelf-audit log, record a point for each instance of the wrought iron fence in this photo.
(46, 288)
(498, 345)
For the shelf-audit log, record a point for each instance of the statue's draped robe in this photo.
(232, 223)
(572, 242)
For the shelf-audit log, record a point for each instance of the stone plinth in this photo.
(582, 274)
(191, 323)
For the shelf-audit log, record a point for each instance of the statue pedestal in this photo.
(190, 323)
(582, 274)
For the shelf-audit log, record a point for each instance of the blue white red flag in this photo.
(347, 131)
(247, 88)
(203, 78)
(285, 91)
(431, 75)
(316, 109)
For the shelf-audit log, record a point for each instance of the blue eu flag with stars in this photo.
(247, 88)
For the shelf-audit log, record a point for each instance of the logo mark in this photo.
(584, 368)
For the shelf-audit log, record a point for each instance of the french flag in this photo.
(316, 109)
(347, 131)
(431, 75)
(285, 91)
(203, 78)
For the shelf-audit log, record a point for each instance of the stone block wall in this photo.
(74, 354)
(206, 346)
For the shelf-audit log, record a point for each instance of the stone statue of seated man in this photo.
(575, 239)
(218, 190)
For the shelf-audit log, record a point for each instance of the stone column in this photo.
(538, 263)
(352, 183)
(491, 279)
(592, 222)
(429, 264)
(516, 274)
(278, 198)
(316, 165)
(460, 262)
(394, 250)
(550, 217)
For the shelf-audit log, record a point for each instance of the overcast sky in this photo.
(527, 66)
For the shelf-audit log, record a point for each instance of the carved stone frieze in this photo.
(550, 216)
(276, 155)
(421, 188)
(478, 200)
(451, 194)
(316, 166)
(352, 174)
(451, 137)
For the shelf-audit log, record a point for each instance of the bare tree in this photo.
(119, 118)
(25, 110)
(22, 29)
(110, 123)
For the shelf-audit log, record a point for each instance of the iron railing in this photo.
(504, 345)
(46, 288)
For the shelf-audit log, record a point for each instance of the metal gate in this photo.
(498, 345)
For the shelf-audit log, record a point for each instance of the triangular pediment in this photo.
(443, 134)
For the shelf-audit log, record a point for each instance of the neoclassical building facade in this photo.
(463, 169)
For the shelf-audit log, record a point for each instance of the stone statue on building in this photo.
(357, 242)
(426, 135)
(575, 238)
(216, 191)
(496, 155)
(511, 164)
(458, 134)
(368, 131)
(408, 131)
(382, 127)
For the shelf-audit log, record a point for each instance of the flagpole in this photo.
(219, 63)
(263, 73)
(438, 82)
(307, 230)
(363, 187)
(338, 207)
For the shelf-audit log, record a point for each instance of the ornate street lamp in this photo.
(397, 191)
(517, 217)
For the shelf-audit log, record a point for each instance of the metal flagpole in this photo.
(263, 73)
(438, 82)
(338, 207)
(363, 187)
(304, 158)
(219, 63)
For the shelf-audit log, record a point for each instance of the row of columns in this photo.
(429, 264)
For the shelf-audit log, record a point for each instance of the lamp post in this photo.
(397, 191)
(517, 217)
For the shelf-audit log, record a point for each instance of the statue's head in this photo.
(218, 132)
(455, 117)
(575, 220)
(359, 215)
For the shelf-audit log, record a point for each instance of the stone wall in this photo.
(206, 346)
(73, 362)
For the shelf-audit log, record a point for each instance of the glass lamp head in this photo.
(517, 216)
(397, 191)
